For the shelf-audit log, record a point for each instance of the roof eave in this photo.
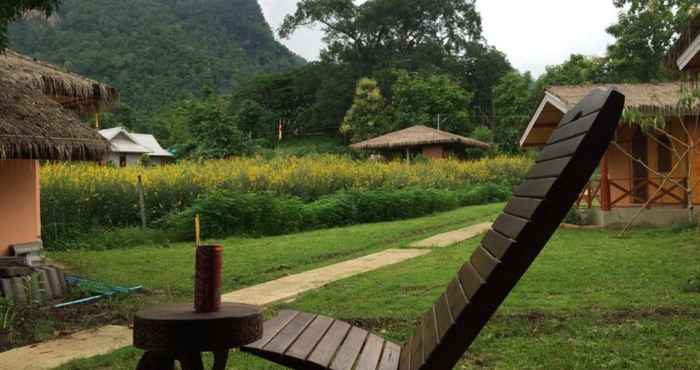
(689, 54)
(549, 98)
(479, 145)
(75, 92)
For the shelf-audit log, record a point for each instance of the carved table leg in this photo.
(188, 361)
(220, 359)
(156, 361)
(191, 361)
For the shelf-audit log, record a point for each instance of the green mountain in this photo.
(156, 51)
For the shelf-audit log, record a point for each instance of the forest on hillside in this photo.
(209, 79)
(157, 51)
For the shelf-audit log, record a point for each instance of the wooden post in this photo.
(197, 230)
(97, 120)
(604, 185)
(142, 202)
(280, 130)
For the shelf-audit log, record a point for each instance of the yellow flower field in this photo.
(84, 196)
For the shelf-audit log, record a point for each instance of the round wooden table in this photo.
(177, 333)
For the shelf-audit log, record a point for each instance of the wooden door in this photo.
(640, 175)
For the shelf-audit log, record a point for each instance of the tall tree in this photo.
(256, 121)
(401, 33)
(479, 70)
(577, 70)
(420, 99)
(11, 10)
(214, 130)
(368, 116)
(512, 100)
(644, 33)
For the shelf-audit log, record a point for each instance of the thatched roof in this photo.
(417, 136)
(32, 126)
(647, 98)
(73, 91)
(650, 99)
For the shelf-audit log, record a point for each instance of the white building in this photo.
(128, 149)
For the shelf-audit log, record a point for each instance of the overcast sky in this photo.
(532, 33)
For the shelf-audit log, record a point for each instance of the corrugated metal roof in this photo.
(150, 141)
(123, 141)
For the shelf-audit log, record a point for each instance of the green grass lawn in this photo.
(167, 272)
(591, 300)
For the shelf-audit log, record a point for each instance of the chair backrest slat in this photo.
(518, 235)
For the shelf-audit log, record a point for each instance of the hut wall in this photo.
(434, 151)
(680, 174)
(20, 219)
(132, 159)
(695, 180)
(620, 168)
(621, 173)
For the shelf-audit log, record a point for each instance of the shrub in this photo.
(484, 194)
(573, 217)
(227, 213)
(693, 284)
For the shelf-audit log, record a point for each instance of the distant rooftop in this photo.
(417, 136)
(134, 143)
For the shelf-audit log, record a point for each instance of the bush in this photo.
(484, 194)
(573, 217)
(578, 216)
(227, 213)
(693, 284)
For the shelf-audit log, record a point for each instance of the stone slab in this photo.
(453, 237)
(293, 285)
(48, 355)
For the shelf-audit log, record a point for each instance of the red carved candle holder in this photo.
(207, 283)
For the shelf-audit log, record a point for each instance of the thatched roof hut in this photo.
(650, 99)
(71, 90)
(417, 136)
(34, 123)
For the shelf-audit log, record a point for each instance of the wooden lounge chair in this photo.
(301, 340)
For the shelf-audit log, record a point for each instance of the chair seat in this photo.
(301, 340)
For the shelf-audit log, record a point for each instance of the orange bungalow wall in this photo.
(620, 168)
(622, 177)
(20, 217)
(695, 132)
(434, 151)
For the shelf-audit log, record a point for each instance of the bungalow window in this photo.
(122, 160)
(664, 154)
